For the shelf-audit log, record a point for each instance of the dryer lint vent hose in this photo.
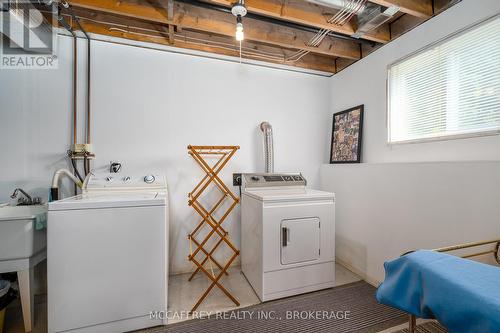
(267, 131)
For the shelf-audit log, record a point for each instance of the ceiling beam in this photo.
(303, 12)
(170, 16)
(440, 5)
(418, 8)
(404, 24)
(115, 26)
(212, 21)
(341, 64)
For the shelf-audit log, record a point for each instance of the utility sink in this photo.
(20, 235)
(23, 239)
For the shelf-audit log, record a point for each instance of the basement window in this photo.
(450, 89)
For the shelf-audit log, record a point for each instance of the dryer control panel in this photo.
(272, 179)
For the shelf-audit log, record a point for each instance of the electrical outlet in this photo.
(236, 179)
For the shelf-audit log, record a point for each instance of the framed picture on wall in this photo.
(347, 131)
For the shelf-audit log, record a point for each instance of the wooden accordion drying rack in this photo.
(200, 154)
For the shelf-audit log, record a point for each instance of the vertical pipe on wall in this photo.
(88, 89)
(89, 114)
(267, 131)
(86, 160)
(75, 89)
(75, 106)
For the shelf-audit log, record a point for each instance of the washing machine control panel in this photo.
(273, 179)
(115, 181)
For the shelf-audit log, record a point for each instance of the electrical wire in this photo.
(73, 163)
(349, 9)
(86, 164)
(240, 51)
(199, 41)
(126, 29)
(248, 52)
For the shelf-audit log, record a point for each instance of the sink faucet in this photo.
(27, 201)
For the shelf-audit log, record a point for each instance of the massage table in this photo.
(463, 295)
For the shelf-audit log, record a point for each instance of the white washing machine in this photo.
(107, 255)
(287, 235)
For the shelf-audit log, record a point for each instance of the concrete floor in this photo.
(182, 296)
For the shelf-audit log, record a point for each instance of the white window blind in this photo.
(449, 89)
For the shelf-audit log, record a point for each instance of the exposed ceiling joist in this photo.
(341, 64)
(116, 26)
(418, 8)
(303, 12)
(211, 21)
(170, 17)
(276, 31)
(404, 24)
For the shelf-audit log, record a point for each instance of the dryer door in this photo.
(300, 240)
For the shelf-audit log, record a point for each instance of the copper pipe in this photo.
(86, 159)
(88, 138)
(75, 89)
(88, 92)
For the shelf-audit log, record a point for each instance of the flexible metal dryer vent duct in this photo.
(267, 130)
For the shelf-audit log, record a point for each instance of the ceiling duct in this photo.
(372, 17)
(338, 4)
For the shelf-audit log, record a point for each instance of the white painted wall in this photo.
(384, 210)
(148, 105)
(386, 207)
(34, 125)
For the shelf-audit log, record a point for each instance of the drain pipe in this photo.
(54, 190)
(267, 130)
(86, 160)
(88, 137)
(87, 154)
(65, 24)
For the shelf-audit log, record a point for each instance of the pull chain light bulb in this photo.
(239, 10)
(240, 35)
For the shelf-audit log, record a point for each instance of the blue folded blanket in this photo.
(463, 295)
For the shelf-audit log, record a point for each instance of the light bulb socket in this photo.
(239, 10)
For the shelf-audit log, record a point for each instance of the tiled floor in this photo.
(182, 296)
